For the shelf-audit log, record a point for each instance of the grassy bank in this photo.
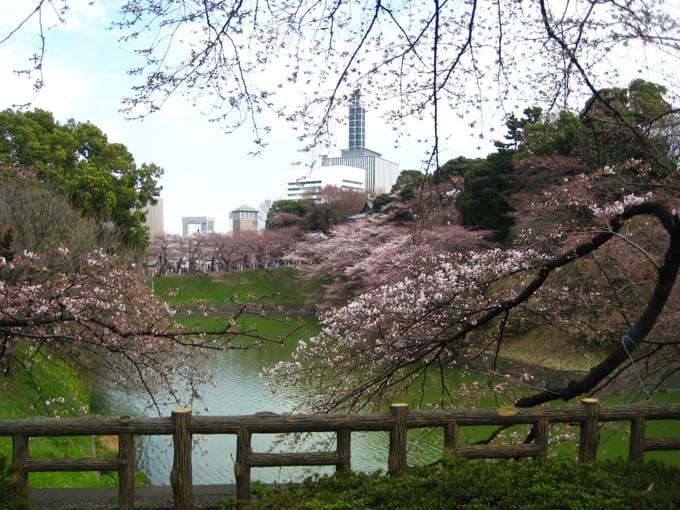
(54, 388)
(272, 286)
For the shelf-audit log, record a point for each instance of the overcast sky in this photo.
(207, 172)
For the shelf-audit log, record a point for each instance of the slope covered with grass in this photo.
(273, 286)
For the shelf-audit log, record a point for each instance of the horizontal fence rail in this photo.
(182, 425)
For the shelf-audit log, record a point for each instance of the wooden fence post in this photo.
(589, 436)
(181, 477)
(450, 439)
(242, 467)
(126, 469)
(19, 456)
(396, 462)
(344, 449)
(541, 437)
(636, 451)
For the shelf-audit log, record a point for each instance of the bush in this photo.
(476, 485)
(11, 495)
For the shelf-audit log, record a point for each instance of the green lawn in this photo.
(271, 327)
(274, 286)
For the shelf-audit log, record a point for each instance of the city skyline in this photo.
(207, 172)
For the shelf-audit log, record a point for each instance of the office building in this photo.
(306, 183)
(380, 174)
(243, 218)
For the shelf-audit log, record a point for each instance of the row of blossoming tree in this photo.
(171, 253)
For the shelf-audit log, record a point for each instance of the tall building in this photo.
(306, 183)
(153, 217)
(380, 174)
(203, 224)
(243, 218)
(357, 124)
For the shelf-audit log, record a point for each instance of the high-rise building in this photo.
(153, 217)
(380, 174)
(243, 218)
(203, 224)
(357, 124)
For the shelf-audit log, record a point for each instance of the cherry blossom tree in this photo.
(221, 252)
(604, 276)
(412, 60)
(80, 304)
(104, 318)
(369, 252)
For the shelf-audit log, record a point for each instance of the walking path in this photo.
(206, 497)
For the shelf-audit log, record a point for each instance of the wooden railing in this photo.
(182, 425)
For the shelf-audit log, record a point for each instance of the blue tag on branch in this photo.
(631, 340)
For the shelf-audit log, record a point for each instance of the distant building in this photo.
(306, 183)
(243, 218)
(380, 174)
(202, 224)
(154, 218)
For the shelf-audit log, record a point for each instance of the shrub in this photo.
(476, 485)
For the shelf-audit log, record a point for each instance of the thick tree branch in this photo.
(666, 277)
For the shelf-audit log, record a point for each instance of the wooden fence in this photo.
(182, 425)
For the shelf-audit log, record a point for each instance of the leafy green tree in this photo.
(632, 123)
(483, 203)
(327, 206)
(297, 208)
(551, 135)
(456, 167)
(100, 178)
(539, 134)
(408, 183)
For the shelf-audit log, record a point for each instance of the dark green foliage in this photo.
(631, 123)
(303, 213)
(408, 183)
(554, 484)
(324, 208)
(483, 202)
(455, 168)
(100, 178)
(11, 495)
(381, 201)
(541, 135)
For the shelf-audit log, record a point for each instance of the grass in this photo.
(272, 286)
(42, 393)
(543, 347)
(277, 328)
